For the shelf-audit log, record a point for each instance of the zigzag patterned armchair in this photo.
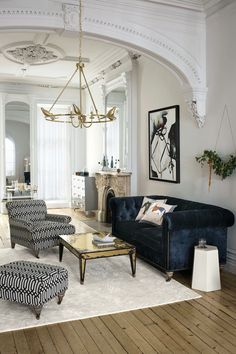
(31, 226)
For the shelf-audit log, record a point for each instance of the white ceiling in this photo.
(99, 54)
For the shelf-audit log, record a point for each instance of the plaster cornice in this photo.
(213, 6)
(166, 47)
(29, 17)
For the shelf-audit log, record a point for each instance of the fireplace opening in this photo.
(110, 194)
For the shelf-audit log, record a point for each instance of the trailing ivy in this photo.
(220, 167)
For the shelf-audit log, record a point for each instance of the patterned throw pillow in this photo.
(154, 215)
(145, 206)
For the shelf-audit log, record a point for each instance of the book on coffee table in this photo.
(103, 244)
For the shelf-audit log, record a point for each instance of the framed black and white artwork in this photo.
(164, 155)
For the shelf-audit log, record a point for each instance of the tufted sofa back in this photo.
(29, 210)
(127, 208)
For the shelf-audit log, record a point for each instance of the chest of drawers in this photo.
(84, 193)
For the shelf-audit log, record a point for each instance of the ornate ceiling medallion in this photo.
(29, 53)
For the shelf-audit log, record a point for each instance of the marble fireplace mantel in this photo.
(107, 181)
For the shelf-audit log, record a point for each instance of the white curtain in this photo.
(53, 157)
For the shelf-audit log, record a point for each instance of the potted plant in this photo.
(215, 163)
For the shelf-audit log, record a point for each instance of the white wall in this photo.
(159, 88)
(221, 81)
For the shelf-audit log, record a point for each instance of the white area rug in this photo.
(108, 288)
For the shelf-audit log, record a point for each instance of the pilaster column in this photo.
(2, 145)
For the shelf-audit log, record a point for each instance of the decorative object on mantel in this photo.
(105, 164)
(77, 117)
(222, 168)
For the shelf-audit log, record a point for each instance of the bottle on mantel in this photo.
(104, 161)
(112, 162)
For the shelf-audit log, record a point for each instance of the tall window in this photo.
(53, 158)
(10, 156)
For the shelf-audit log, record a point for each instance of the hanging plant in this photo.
(215, 163)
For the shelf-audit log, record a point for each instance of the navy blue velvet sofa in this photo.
(170, 247)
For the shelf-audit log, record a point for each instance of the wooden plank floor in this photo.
(205, 325)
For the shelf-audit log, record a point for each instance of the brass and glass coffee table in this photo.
(82, 247)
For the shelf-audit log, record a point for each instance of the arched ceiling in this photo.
(172, 31)
(22, 61)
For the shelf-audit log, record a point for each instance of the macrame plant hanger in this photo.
(211, 165)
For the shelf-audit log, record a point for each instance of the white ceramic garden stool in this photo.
(206, 269)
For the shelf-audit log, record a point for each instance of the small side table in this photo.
(206, 270)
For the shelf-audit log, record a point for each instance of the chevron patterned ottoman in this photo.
(32, 283)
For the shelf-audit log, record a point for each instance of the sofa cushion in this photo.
(145, 206)
(155, 212)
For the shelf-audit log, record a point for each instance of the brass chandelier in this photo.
(76, 116)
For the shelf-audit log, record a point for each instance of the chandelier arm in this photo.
(90, 93)
(63, 89)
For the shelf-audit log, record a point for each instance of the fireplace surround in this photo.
(110, 184)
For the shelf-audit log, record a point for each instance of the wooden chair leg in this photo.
(60, 297)
(36, 253)
(37, 310)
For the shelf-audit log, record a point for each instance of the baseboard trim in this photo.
(231, 261)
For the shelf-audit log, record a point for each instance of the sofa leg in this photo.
(13, 244)
(169, 275)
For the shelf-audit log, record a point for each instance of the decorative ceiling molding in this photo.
(164, 47)
(30, 18)
(105, 59)
(146, 10)
(131, 29)
(108, 70)
(195, 5)
(213, 6)
(29, 12)
(196, 101)
(71, 17)
(170, 51)
(29, 53)
(118, 82)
